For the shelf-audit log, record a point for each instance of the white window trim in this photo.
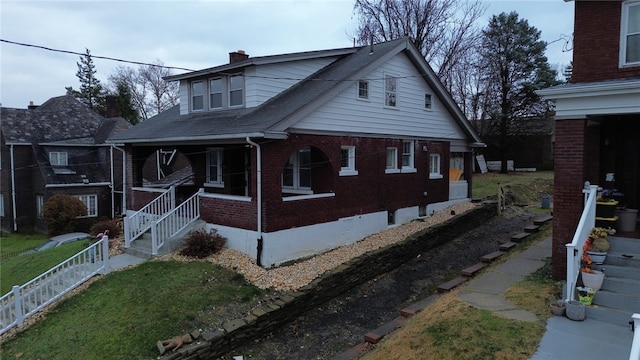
(435, 175)
(58, 158)
(430, 108)
(395, 92)
(85, 200)
(411, 168)
(365, 98)
(296, 188)
(229, 90)
(221, 93)
(191, 95)
(350, 169)
(624, 22)
(394, 168)
(219, 182)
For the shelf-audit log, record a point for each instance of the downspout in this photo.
(113, 187)
(258, 198)
(13, 191)
(124, 179)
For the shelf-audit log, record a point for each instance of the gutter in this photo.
(77, 185)
(13, 190)
(259, 199)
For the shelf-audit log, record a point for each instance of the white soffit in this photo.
(577, 101)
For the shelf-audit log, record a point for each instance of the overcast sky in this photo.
(194, 35)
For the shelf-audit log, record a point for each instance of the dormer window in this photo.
(630, 34)
(215, 93)
(197, 95)
(236, 90)
(58, 158)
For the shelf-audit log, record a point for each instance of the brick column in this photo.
(569, 178)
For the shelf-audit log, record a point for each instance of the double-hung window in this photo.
(392, 161)
(215, 93)
(427, 101)
(58, 158)
(434, 167)
(236, 90)
(197, 95)
(407, 156)
(630, 34)
(91, 202)
(214, 167)
(363, 90)
(348, 161)
(390, 91)
(296, 175)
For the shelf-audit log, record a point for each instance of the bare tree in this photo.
(443, 30)
(150, 93)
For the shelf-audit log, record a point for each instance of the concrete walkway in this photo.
(122, 261)
(563, 338)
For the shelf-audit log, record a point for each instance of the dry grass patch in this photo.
(453, 329)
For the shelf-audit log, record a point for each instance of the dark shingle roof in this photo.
(60, 118)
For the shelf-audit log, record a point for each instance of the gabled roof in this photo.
(273, 118)
(61, 119)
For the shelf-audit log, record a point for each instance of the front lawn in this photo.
(124, 314)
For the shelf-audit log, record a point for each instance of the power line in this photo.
(93, 56)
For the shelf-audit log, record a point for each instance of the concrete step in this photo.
(617, 271)
(609, 315)
(626, 259)
(473, 269)
(492, 256)
(618, 301)
(542, 219)
(507, 246)
(531, 228)
(621, 285)
(451, 284)
(519, 237)
(622, 245)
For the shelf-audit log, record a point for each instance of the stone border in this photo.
(282, 310)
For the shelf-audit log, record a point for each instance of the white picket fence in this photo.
(26, 300)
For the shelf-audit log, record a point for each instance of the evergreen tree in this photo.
(514, 67)
(124, 104)
(91, 91)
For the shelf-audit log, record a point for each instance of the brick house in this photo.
(597, 115)
(58, 147)
(295, 154)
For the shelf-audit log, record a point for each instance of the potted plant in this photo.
(590, 278)
(597, 244)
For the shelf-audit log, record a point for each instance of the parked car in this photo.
(62, 239)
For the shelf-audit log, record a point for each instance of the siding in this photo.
(346, 113)
(266, 81)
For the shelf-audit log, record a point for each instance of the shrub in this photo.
(60, 213)
(201, 244)
(113, 225)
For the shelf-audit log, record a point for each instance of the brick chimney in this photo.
(112, 106)
(32, 106)
(237, 56)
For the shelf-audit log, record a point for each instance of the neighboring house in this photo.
(58, 148)
(597, 115)
(300, 153)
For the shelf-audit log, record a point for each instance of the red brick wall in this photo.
(233, 213)
(569, 178)
(596, 42)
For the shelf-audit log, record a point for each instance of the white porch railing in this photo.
(574, 249)
(635, 345)
(174, 221)
(24, 301)
(138, 223)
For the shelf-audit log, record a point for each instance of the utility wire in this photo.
(93, 56)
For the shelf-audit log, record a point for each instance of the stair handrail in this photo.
(14, 305)
(634, 354)
(574, 249)
(174, 221)
(139, 222)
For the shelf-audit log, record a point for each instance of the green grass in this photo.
(16, 243)
(18, 270)
(123, 315)
(524, 185)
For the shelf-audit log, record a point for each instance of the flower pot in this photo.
(558, 307)
(575, 310)
(597, 257)
(586, 294)
(593, 280)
